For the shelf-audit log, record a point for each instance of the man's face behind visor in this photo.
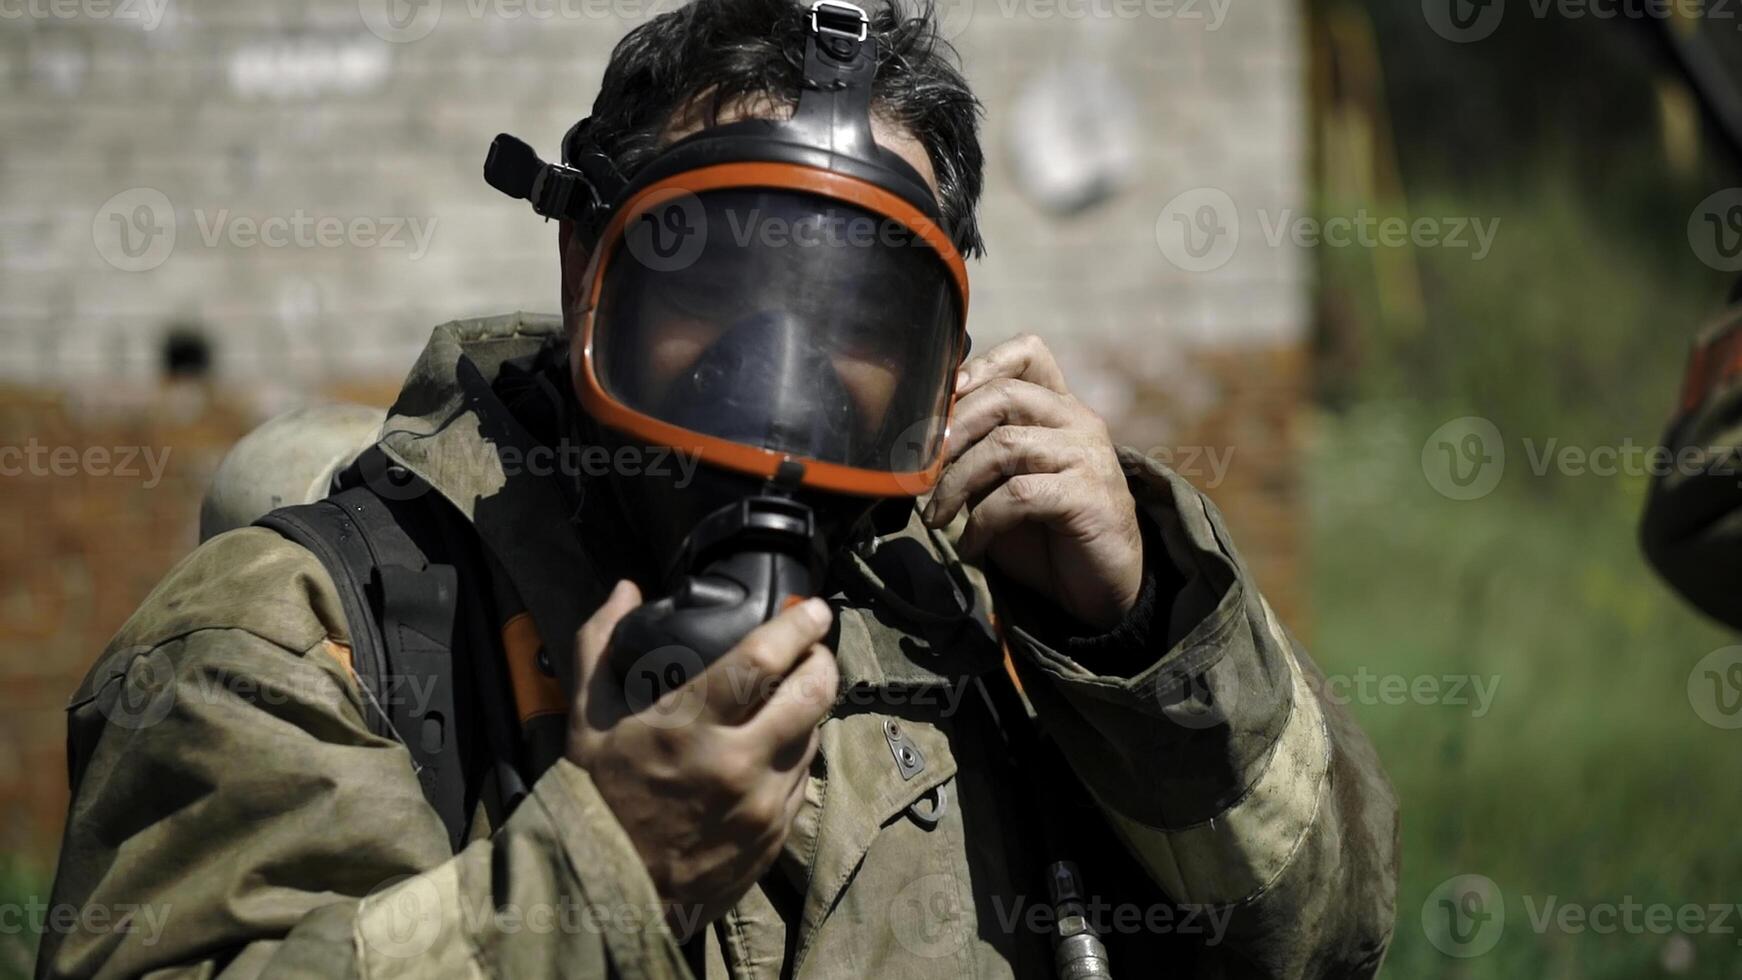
(782, 320)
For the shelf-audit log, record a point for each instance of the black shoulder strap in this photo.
(402, 596)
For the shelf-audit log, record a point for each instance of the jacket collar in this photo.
(451, 428)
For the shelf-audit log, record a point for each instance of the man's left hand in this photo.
(1046, 495)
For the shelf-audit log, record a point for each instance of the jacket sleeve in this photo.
(1692, 527)
(1201, 733)
(234, 815)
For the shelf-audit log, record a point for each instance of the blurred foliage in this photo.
(22, 890)
(1592, 780)
(1570, 327)
(1544, 81)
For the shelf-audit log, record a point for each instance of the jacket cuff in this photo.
(1138, 639)
(1199, 685)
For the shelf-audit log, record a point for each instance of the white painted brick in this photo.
(399, 130)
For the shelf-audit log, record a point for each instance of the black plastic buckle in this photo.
(554, 188)
(516, 170)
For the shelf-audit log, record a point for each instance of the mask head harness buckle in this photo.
(581, 189)
(836, 19)
(830, 130)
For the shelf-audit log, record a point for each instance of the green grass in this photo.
(21, 887)
(1592, 779)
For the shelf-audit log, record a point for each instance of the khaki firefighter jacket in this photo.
(234, 815)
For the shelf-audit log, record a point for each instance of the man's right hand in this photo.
(707, 802)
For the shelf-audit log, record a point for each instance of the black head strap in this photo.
(829, 130)
(840, 64)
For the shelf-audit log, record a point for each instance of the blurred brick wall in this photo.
(138, 159)
(98, 501)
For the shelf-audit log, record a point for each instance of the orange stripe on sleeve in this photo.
(342, 653)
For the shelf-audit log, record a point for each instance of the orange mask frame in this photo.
(736, 456)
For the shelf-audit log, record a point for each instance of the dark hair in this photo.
(736, 50)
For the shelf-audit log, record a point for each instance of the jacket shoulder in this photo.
(251, 579)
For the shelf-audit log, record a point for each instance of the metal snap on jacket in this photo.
(909, 760)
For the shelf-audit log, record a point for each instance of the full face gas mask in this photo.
(779, 300)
